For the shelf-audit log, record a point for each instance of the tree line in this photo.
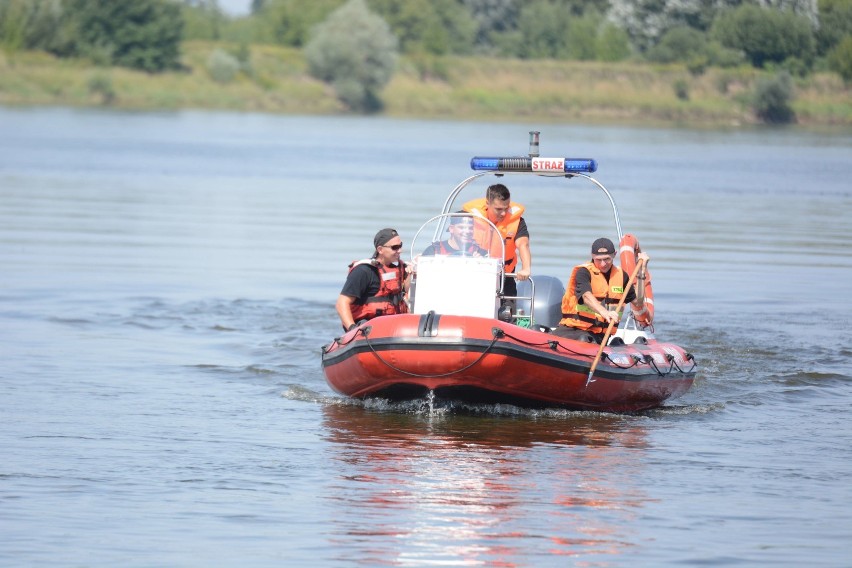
(800, 35)
(142, 34)
(353, 44)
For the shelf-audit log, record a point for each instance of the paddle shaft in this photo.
(609, 327)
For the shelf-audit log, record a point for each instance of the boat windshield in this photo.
(458, 262)
(458, 234)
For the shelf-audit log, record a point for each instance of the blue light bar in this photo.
(534, 165)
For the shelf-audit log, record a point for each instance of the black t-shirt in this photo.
(522, 230)
(583, 284)
(362, 283)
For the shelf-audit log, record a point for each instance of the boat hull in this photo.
(486, 360)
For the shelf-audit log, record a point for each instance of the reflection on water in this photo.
(471, 490)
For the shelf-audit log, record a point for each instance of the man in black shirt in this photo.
(375, 286)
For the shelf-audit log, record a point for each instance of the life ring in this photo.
(629, 249)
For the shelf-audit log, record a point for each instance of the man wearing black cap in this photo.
(375, 286)
(593, 291)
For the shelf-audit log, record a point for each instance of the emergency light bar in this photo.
(534, 164)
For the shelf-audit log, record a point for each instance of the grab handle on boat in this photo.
(531, 298)
(620, 305)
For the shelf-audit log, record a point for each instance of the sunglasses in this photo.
(394, 247)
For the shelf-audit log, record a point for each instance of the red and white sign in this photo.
(549, 165)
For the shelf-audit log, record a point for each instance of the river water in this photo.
(168, 279)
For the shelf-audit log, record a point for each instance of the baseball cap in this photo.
(383, 236)
(603, 246)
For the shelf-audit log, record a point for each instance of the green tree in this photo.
(805, 8)
(543, 27)
(681, 43)
(492, 18)
(765, 35)
(13, 25)
(222, 66)
(289, 22)
(771, 102)
(29, 24)
(583, 31)
(612, 43)
(143, 34)
(432, 26)
(203, 20)
(498, 26)
(694, 48)
(646, 21)
(840, 59)
(355, 52)
(835, 24)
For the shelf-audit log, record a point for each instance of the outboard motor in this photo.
(548, 299)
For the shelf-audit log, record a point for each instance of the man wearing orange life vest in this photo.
(375, 286)
(593, 291)
(506, 216)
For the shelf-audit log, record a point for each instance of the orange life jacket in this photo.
(389, 299)
(508, 227)
(608, 293)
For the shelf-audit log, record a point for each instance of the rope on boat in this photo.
(672, 364)
(495, 331)
(689, 357)
(358, 331)
(554, 345)
(636, 360)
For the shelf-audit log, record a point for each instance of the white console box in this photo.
(457, 285)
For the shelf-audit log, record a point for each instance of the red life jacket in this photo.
(389, 299)
(443, 248)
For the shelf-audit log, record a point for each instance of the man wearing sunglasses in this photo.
(461, 241)
(375, 286)
(594, 291)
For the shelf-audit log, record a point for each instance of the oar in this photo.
(609, 327)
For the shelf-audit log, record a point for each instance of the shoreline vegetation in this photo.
(275, 79)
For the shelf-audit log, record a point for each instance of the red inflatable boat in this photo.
(458, 343)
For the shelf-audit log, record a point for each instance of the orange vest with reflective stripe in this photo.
(607, 292)
(389, 299)
(483, 233)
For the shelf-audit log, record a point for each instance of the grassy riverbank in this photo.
(276, 81)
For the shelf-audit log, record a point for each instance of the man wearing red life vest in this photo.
(593, 292)
(506, 216)
(461, 241)
(375, 286)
